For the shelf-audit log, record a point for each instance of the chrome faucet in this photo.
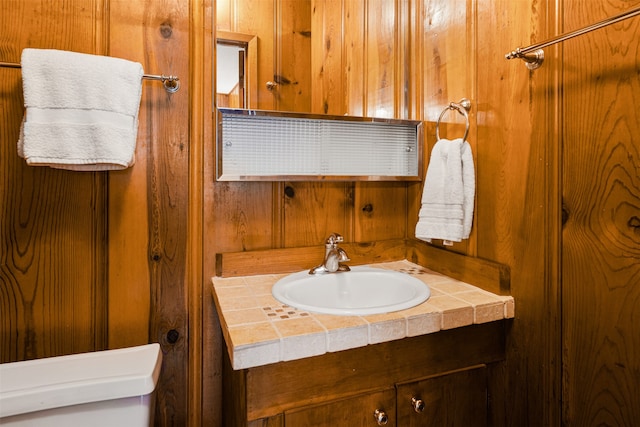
(333, 256)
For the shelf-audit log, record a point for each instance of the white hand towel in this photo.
(448, 193)
(81, 110)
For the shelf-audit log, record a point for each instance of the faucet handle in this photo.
(334, 238)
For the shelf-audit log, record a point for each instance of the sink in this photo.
(361, 291)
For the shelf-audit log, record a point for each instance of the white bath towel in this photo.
(81, 110)
(448, 194)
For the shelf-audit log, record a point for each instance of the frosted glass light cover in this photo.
(268, 145)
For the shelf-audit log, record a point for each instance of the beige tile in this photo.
(435, 292)
(344, 332)
(239, 303)
(331, 322)
(509, 308)
(489, 312)
(225, 293)
(479, 297)
(220, 282)
(488, 307)
(266, 300)
(301, 337)
(262, 288)
(455, 312)
(255, 333)
(386, 327)
(304, 345)
(298, 326)
(241, 317)
(347, 338)
(422, 324)
(266, 279)
(256, 355)
(452, 287)
(432, 277)
(423, 319)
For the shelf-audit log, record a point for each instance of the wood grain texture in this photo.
(517, 218)
(156, 34)
(53, 223)
(485, 274)
(601, 242)
(353, 412)
(293, 55)
(464, 391)
(339, 375)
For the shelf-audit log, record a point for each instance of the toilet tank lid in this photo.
(53, 382)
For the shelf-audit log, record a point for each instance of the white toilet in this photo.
(102, 388)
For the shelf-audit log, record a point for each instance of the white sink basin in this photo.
(361, 291)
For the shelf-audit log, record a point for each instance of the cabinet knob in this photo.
(381, 417)
(271, 86)
(418, 404)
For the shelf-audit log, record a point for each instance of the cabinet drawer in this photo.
(357, 411)
(457, 398)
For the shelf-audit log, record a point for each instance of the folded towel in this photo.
(81, 110)
(448, 194)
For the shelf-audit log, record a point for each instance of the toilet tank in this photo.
(102, 388)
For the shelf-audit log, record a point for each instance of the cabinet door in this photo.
(358, 411)
(458, 398)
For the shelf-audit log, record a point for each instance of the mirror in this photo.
(236, 78)
(318, 56)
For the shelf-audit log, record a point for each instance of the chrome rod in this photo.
(170, 83)
(533, 55)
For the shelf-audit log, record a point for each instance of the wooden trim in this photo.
(194, 269)
(552, 114)
(274, 261)
(485, 274)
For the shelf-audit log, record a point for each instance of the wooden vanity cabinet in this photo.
(454, 399)
(357, 411)
(447, 370)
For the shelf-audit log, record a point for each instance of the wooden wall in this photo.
(601, 213)
(97, 260)
(104, 260)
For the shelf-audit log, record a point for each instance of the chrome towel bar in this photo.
(171, 83)
(533, 55)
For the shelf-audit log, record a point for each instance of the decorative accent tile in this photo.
(282, 312)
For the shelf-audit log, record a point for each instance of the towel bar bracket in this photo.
(462, 106)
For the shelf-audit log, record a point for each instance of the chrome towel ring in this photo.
(463, 107)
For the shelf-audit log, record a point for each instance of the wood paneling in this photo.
(293, 54)
(600, 240)
(517, 199)
(98, 260)
(53, 228)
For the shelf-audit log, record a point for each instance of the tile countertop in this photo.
(260, 330)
